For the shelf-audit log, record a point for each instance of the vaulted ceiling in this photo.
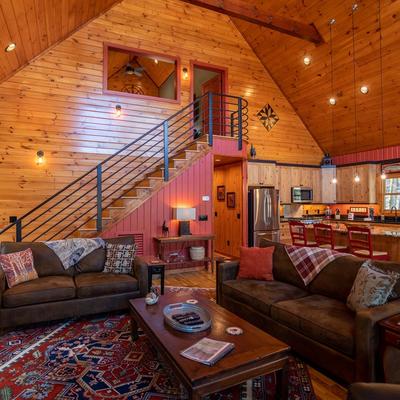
(35, 25)
(308, 88)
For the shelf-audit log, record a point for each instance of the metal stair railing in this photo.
(86, 199)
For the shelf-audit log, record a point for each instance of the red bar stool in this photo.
(298, 234)
(323, 235)
(360, 241)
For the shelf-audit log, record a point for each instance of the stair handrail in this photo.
(242, 132)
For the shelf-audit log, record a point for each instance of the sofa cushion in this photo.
(45, 260)
(284, 269)
(256, 263)
(94, 284)
(325, 320)
(260, 294)
(94, 262)
(41, 290)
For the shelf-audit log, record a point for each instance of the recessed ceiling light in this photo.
(217, 160)
(332, 101)
(10, 47)
(307, 60)
(364, 89)
(357, 178)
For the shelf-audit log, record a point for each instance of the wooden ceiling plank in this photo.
(257, 16)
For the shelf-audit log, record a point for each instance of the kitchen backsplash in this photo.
(298, 210)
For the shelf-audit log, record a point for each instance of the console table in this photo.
(183, 243)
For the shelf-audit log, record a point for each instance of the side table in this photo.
(390, 349)
(155, 267)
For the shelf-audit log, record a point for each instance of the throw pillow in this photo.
(119, 258)
(372, 287)
(18, 267)
(256, 263)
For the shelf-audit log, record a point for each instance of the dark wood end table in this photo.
(390, 348)
(256, 353)
(155, 267)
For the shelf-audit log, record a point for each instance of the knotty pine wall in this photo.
(57, 104)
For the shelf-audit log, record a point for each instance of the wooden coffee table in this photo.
(256, 353)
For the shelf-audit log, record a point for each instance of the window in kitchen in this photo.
(392, 193)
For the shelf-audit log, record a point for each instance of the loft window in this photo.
(140, 73)
(391, 197)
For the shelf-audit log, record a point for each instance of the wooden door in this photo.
(214, 85)
(228, 221)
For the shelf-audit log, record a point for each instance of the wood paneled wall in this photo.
(56, 103)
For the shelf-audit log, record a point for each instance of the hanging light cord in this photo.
(331, 22)
(381, 72)
(354, 8)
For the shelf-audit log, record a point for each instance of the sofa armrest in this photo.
(2, 285)
(373, 391)
(367, 338)
(226, 271)
(140, 272)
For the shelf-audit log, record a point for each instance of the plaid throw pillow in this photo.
(372, 287)
(18, 267)
(119, 258)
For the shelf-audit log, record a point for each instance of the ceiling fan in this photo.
(130, 70)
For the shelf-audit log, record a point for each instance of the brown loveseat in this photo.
(58, 293)
(313, 320)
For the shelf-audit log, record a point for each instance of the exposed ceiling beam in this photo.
(241, 10)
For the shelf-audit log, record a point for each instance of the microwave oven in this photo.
(302, 194)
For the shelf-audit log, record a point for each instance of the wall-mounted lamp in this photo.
(185, 73)
(10, 47)
(253, 151)
(364, 89)
(307, 60)
(118, 110)
(40, 157)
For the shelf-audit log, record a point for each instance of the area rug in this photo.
(95, 358)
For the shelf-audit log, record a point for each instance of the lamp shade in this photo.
(184, 214)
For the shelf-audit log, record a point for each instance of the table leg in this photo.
(281, 387)
(162, 280)
(134, 329)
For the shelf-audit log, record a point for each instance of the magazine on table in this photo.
(208, 351)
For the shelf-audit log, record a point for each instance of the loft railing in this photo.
(85, 200)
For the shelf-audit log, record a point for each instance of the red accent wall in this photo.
(185, 190)
(388, 153)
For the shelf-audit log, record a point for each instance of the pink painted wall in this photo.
(388, 153)
(185, 190)
(225, 146)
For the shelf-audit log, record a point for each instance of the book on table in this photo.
(208, 351)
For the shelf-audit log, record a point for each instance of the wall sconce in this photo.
(40, 157)
(118, 110)
(253, 152)
(185, 74)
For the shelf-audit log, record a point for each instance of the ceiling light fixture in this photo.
(334, 181)
(332, 101)
(307, 60)
(353, 10)
(364, 89)
(155, 61)
(185, 73)
(10, 47)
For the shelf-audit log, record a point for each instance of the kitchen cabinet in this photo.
(348, 191)
(262, 174)
(328, 189)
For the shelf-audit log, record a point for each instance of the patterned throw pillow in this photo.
(18, 267)
(372, 287)
(119, 258)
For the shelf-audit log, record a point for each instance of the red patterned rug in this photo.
(94, 358)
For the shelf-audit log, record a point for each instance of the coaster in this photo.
(192, 301)
(234, 330)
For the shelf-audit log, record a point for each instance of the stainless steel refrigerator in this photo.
(263, 204)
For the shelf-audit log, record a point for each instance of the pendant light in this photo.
(383, 175)
(332, 22)
(353, 10)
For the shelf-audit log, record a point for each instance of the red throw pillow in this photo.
(256, 263)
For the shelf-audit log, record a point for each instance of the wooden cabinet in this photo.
(348, 191)
(328, 189)
(285, 185)
(262, 174)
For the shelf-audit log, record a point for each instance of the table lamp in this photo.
(184, 216)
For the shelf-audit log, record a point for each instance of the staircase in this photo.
(122, 182)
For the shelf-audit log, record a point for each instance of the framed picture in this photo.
(231, 199)
(221, 193)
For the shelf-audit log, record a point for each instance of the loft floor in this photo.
(325, 388)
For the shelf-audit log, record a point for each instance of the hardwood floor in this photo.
(325, 388)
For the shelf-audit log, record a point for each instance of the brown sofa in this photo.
(313, 320)
(58, 293)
